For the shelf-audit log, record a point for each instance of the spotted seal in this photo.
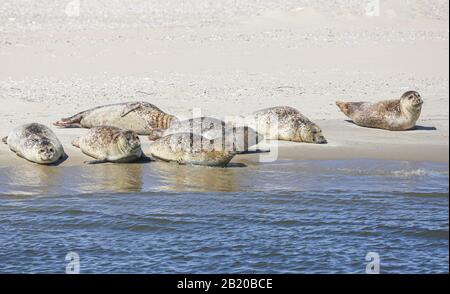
(287, 124)
(192, 149)
(393, 115)
(36, 143)
(237, 138)
(141, 117)
(110, 144)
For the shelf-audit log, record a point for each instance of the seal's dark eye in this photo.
(51, 150)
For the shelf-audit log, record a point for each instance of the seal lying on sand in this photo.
(394, 115)
(110, 144)
(236, 138)
(141, 117)
(189, 148)
(36, 143)
(285, 123)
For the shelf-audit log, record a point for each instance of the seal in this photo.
(36, 143)
(236, 138)
(287, 124)
(141, 117)
(110, 144)
(393, 115)
(192, 149)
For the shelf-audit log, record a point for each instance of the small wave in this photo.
(148, 228)
(409, 173)
(430, 234)
(286, 223)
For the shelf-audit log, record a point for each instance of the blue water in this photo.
(283, 217)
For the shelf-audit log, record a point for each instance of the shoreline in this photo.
(346, 141)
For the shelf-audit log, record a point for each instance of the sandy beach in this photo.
(230, 59)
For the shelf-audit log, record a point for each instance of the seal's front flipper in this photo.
(130, 108)
(253, 151)
(76, 142)
(17, 152)
(98, 161)
(5, 140)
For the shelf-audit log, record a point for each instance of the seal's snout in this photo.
(418, 101)
(320, 139)
(47, 154)
(413, 98)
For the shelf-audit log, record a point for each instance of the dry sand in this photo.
(230, 58)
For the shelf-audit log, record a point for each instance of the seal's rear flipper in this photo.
(70, 122)
(5, 140)
(253, 151)
(343, 106)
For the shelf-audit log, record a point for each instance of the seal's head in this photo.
(411, 100)
(129, 142)
(312, 133)
(45, 152)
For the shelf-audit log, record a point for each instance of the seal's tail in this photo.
(5, 140)
(344, 107)
(70, 122)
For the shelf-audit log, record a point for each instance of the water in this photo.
(283, 217)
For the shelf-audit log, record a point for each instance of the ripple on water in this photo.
(288, 217)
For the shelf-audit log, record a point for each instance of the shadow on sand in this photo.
(416, 128)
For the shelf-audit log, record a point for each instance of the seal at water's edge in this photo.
(110, 144)
(36, 143)
(238, 138)
(393, 115)
(190, 148)
(287, 124)
(141, 117)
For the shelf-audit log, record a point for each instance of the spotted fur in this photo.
(110, 144)
(285, 123)
(394, 115)
(141, 117)
(238, 137)
(189, 148)
(36, 143)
